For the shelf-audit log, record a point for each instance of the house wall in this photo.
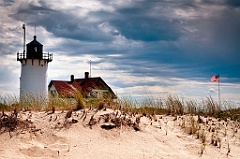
(53, 91)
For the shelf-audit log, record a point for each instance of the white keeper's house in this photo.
(89, 87)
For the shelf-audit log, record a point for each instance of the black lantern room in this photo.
(34, 49)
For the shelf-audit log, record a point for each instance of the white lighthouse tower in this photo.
(34, 66)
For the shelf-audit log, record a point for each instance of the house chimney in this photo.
(86, 75)
(71, 78)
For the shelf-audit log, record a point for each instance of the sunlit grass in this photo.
(170, 105)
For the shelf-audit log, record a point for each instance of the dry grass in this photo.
(9, 122)
(172, 105)
(80, 104)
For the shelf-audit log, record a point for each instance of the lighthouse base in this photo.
(33, 82)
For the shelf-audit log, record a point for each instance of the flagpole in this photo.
(219, 99)
(217, 79)
(90, 62)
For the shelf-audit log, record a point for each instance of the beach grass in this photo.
(171, 105)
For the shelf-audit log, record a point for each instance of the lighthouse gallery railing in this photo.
(45, 56)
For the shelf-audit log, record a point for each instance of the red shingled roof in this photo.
(85, 85)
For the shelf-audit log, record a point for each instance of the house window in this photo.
(53, 92)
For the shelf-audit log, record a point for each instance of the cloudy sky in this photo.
(141, 48)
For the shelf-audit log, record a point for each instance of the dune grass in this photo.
(171, 105)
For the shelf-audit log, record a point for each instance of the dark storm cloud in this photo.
(233, 3)
(163, 35)
(214, 44)
(134, 43)
(7, 3)
(62, 23)
(138, 28)
(138, 22)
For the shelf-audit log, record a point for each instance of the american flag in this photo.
(214, 78)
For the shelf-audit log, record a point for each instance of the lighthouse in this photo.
(34, 66)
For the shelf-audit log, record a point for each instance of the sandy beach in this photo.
(95, 134)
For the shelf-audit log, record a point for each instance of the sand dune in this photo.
(92, 134)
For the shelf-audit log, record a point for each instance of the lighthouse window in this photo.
(35, 48)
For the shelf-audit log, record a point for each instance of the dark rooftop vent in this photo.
(71, 78)
(86, 75)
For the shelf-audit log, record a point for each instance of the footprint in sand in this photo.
(47, 145)
(47, 151)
